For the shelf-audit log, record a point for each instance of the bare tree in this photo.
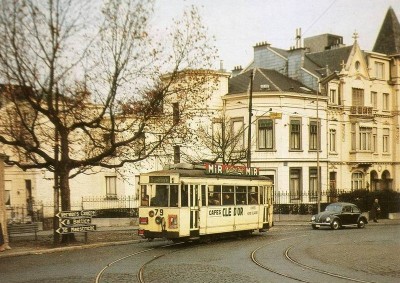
(85, 84)
(225, 140)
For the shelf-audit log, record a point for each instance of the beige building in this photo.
(323, 107)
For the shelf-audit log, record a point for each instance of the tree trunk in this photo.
(65, 201)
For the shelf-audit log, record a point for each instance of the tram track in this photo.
(335, 275)
(290, 259)
(140, 272)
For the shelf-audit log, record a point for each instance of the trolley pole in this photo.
(250, 114)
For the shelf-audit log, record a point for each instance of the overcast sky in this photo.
(239, 24)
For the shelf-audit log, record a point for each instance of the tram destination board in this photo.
(159, 179)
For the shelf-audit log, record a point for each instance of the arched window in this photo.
(357, 179)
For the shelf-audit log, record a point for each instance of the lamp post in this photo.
(250, 114)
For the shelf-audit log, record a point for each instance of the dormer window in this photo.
(357, 65)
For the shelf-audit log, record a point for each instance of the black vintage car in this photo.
(338, 215)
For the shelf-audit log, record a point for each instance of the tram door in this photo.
(267, 201)
(194, 209)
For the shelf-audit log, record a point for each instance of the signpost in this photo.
(76, 221)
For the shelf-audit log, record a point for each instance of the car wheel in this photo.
(314, 226)
(335, 225)
(361, 223)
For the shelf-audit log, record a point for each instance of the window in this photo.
(356, 181)
(175, 113)
(295, 134)
(111, 186)
(358, 97)
(374, 140)
(237, 130)
(314, 135)
(313, 183)
(140, 145)
(353, 136)
(295, 183)
(379, 70)
(332, 96)
(332, 140)
(385, 101)
(177, 154)
(217, 135)
(7, 192)
(365, 134)
(374, 99)
(266, 134)
(385, 140)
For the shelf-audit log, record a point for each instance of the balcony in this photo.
(361, 110)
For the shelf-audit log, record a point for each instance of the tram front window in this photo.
(161, 196)
(164, 195)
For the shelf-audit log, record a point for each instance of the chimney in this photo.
(236, 70)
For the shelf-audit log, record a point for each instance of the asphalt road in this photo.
(367, 255)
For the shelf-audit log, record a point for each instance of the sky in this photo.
(239, 24)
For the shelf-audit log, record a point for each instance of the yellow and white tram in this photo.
(186, 202)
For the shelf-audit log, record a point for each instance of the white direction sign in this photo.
(75, 221)
(77, 213)
(75, 229)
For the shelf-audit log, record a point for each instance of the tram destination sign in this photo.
(159, 179)
(222, 169)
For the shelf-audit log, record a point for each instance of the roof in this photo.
(388, 40)
(265, 80)
(202, 173)
(331, 58)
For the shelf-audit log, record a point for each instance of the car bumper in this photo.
(319, 224)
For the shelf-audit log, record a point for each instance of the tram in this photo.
(187, 202)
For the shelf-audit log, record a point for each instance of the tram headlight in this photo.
(151, 213)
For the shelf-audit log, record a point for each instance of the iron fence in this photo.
(25, 213)
(110, 202)
(284, 203)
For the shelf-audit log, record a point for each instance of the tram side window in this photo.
(214, 195)
(161, 196)
(241, 192)
(253, 195)
(144, 196)
(228, 194)
(173, 196)
(184, 196)
(203, 195)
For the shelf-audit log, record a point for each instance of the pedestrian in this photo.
(2, 249)
(375, 210)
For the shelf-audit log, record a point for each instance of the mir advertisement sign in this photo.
(221, 169)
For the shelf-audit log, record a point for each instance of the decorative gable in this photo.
(356, 66)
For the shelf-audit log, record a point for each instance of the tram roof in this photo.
(196, 173)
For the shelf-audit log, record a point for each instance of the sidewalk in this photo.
(106, 236)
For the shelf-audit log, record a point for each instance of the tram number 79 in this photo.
(161, 211)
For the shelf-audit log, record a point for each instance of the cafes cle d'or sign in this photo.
(222, 169)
